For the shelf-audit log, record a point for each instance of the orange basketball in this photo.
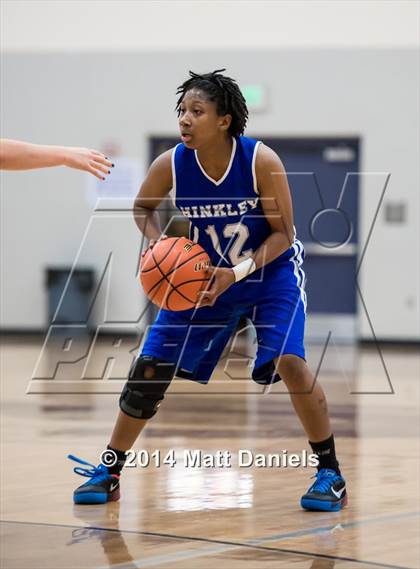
(173, 272)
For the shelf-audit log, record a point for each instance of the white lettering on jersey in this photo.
(194, 210)
(218, 209)
(205, 211)
(229, 210)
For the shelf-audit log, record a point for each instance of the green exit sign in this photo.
(255, 97)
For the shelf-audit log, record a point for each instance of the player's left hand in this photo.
(220, 279)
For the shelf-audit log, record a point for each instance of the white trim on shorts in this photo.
(299, 273)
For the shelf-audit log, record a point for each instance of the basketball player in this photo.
(17, 155)
(235, 193)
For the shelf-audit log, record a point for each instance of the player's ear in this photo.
(225, 122)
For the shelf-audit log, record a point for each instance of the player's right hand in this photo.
(152, 243)
(88, 160)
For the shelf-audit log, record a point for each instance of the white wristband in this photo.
(244, 269)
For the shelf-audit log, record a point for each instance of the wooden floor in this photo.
(186, 517)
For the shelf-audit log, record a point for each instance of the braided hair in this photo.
(221, 90)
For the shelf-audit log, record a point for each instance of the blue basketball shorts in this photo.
(273, 298)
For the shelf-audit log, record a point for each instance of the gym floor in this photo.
(184, 516)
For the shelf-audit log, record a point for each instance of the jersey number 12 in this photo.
(234, 248)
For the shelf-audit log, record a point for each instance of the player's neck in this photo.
(216, 156)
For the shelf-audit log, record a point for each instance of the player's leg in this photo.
(280, 321)
(308, 398)
(148, 380)
(126, 431)
(175, 341)
(128, 426)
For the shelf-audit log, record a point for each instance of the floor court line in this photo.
(224, 545)
(257, 544)
(184, 555)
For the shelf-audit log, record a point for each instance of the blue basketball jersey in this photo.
(226, 215)
(227, 219)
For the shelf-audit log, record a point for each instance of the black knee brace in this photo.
(142, 395)
(264, 374)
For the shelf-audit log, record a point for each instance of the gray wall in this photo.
(87, 99)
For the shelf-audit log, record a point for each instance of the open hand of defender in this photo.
(88, 160)
(18, 155)
(220, 280)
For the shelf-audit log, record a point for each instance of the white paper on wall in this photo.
(123, 182)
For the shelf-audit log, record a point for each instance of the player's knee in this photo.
(266, 374)
(148, 380)
(291, 368)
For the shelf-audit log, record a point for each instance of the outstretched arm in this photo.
(17, 155)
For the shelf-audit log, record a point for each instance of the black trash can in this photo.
(76, 305)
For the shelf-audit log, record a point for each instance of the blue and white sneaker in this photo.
(102, 487)
(327, 493)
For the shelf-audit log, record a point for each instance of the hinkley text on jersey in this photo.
(219, 209)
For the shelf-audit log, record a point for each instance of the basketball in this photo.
(173, 272)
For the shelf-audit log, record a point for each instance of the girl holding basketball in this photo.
(234, 192)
